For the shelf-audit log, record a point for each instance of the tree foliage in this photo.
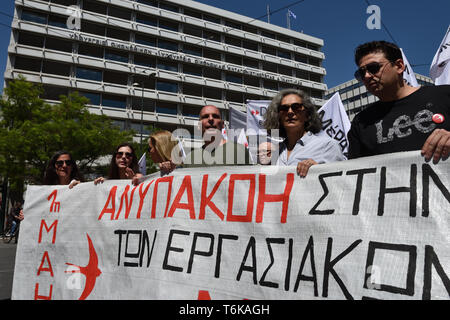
(31, 131)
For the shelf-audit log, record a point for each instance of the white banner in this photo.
(374, 227)
(335, 122)
(408, 74)
(440, 67)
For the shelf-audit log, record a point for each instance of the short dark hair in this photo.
(391, 51)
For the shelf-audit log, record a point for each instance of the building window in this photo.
(168, 45)
(285, 70)
(315, 77)
(31, 39)
(164, 107)
(121, 13)
(270, 85)
(116, 55)
(152, 3)
(192, 70)
(58, 44)
(136, 104)
(233, 77)
(268, 35)
(233, 24)
(192, 13)
(314, 62)
(146, 19)
(167, 65)
(233, 41)
(284, 54)
(211, 18)
(210, 35)
(28, 64)
(136, 126)
(269, 50)
(212, 93)
(145, 40)
(57, 21)
(191, 111)
(119, 124)
(193, 31)
(192, 90)
(109, 100)
(168, 25)
(251, 81)
(115, 77)
(89, 74)
(283, 38)
(302, 74)
(167, 86)
(250, 29)
(301, 58)
(169, 7)
(94, 98)
(65, 2)
(53, 93)
(212, 54)
(234, 96)
(252, 63)
(34, 17)
(118, 34)
(251, 45)
(94, 7)
(189, 49)
(57, 68)
(212, 73)
(90, 50)
(92, 28)
(145, 60)
(268, 66)
(230, 58)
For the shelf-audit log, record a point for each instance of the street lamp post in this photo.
(142, 83)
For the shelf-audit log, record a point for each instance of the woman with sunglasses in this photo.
(124, 164)
(62, 170)
(292, 112)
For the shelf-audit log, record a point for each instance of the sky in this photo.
(418, 27)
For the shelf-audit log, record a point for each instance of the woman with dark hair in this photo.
(124, 164)
(294, 115)
(62, 170)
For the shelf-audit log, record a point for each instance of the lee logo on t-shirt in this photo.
(403, 126)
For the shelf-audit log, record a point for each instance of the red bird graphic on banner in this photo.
(91, 271)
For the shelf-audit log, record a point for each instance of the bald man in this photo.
(216, 151)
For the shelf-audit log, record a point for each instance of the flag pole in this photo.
(268, 14)
(288, 20)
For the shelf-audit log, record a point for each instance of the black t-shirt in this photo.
(401, 125)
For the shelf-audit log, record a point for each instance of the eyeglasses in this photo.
(120, 154)
(60, 163)
(295, 107)
(372, 68)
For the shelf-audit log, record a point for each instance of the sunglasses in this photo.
(60, 163)
(295, 107)
(120, 154)
(372, 68)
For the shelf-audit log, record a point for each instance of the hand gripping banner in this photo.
(371, 228)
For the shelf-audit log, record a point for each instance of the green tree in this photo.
(31, 131)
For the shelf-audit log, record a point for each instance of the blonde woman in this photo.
(160, 147)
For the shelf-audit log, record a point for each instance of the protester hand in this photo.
(73, 183)
(437, 146)
(99, 180)
(167, 166)
(129, 173)
(303, 167)
(21, 216)
(136, 179)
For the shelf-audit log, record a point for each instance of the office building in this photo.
(168, 58)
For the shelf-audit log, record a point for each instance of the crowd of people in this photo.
(403, 119)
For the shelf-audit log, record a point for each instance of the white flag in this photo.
(440, 67)
(335, 121)
(256, 109)
(143, 165)
(292, 14)
(408, 74)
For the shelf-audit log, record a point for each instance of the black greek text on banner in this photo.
(371, 228)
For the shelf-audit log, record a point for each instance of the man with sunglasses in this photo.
(216, 151)
(406, 118)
